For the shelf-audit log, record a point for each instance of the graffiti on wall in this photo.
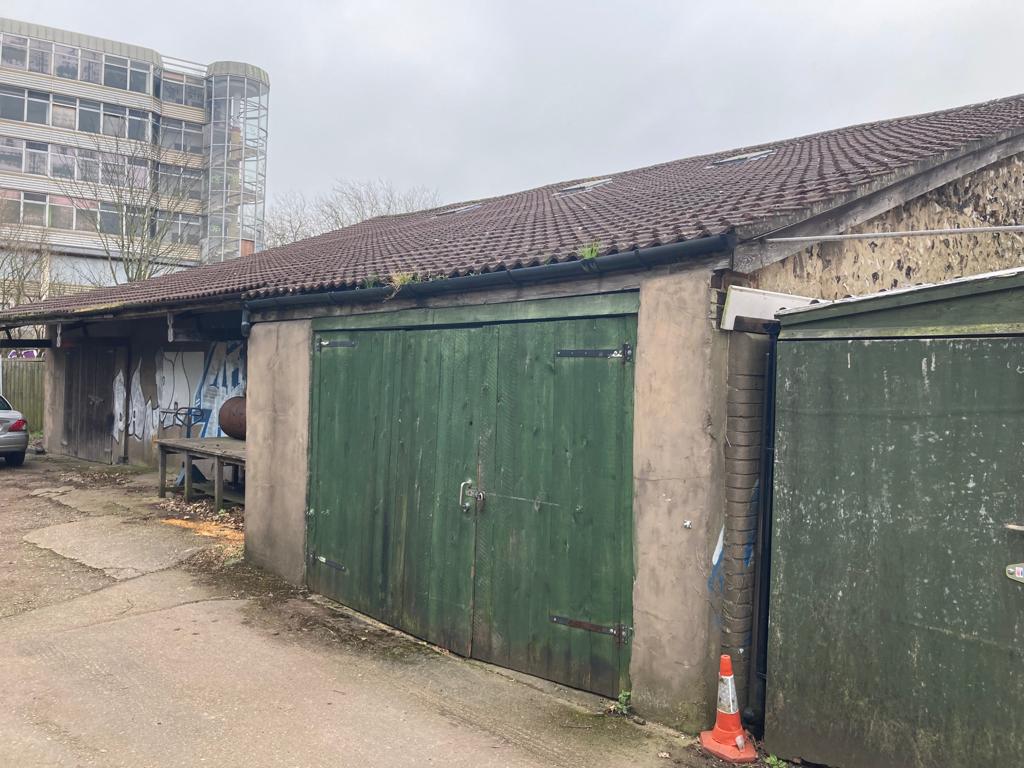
(183, 379)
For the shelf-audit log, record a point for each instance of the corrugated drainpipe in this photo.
(640, 259)
(754, 714)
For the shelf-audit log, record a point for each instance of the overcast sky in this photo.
(478, 98)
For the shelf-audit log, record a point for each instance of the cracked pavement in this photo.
(126, 642)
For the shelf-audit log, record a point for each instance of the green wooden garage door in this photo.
(412, 425)
(895, 634)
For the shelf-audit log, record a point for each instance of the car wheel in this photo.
(15, 459)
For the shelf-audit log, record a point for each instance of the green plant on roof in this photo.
(398, 280)
(373, 281)
(590, 251)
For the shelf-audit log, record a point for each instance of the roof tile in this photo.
(665, 203)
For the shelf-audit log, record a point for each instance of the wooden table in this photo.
(221, 450)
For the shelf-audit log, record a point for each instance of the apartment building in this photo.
(111, 154)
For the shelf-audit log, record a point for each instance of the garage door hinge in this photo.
(314, 557)
(623, 353)
(337, 343)
(620, 632)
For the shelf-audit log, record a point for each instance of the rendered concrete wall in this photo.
(990, 197)
(678, 498)
(277, 443)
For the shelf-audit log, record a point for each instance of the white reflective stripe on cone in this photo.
(727, 702)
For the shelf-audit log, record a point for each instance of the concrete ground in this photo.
(131, 639)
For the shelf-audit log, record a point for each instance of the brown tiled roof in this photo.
(671, 202)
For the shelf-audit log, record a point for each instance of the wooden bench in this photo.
(221, 450)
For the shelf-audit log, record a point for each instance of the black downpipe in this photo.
(644, 259)
(755, 712)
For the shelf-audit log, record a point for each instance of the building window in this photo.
(195, 92)
(62, 213)
(38, 108)
(10, 206)
(114, 121)
(86, 219)
(193, 138)
(92, 67)
(62, 112)
(170, 134)
(88, 165)
(191, 229)
(88, 116)
(14, 52)
(33, 209)
(138, 125)
(192, 183)
(138, 173)
(11, 151)
(37, 158)
(110, 219)
(138, 77)
(62, 162)
(173, 88)
(112, 170)
(65, 62)
(40, 56)
(12, 103)
(115, 72)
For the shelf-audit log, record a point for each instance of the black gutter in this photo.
(755, 711)
(640, 259)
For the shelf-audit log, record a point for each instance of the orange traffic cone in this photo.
(727, 740)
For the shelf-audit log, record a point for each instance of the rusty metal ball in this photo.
(232, 418)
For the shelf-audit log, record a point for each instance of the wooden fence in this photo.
(22, 383)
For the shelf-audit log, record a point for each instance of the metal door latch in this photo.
(467, 495)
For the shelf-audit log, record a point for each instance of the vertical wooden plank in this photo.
(465, 406)
(188, 477)
(162, 461)
(218, 483)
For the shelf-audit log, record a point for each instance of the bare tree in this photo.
(293, 216)
(139, 204)
(25, 265)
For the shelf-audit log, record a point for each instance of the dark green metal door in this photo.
(473, 486)
(894, 630)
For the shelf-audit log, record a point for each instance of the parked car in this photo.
(13, 434)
